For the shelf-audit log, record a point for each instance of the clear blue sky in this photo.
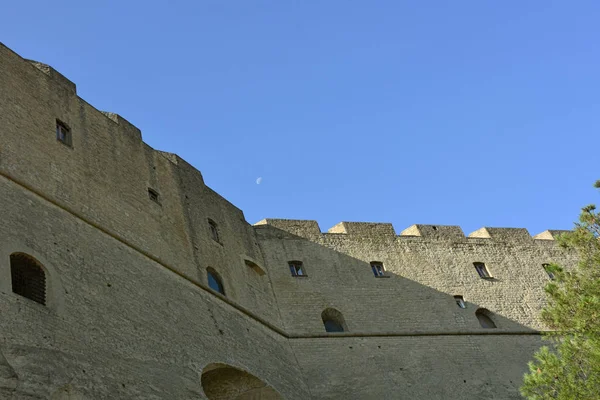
(471, 113)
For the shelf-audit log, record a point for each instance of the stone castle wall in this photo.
(130, 314)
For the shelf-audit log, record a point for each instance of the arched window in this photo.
(214, 281)
(214, 230)
(28, 277)
(485, 318)
(333, 320)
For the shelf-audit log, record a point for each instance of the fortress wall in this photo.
(123, 327)
(407, 368)
(129, 315)
(303, 228)
(424, 275)
(238, 243)
(104, 178)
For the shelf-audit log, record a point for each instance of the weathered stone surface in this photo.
(129, 313)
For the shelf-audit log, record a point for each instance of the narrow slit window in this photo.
(63, 133)
(482, 270)
(377, 268)
(214, 231)
(460, 301)
(28, 277)
(296, 268)
(153, 195)
(548, 271)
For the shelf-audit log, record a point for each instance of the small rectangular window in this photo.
(482, 270)
(460, 301)
(377, 268)
(296, 268)
(547, 269)
(63, 134)
(153, 195)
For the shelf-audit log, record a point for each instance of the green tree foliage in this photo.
(569, 369)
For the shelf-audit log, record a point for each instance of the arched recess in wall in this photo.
(254, 267)
(485, 318)
(13, 254)
(28, 277)
(333, 320)
(224, 382)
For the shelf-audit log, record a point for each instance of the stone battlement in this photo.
(159, 288)
(311, 229)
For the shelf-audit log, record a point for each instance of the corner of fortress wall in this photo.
(107, 157)
(309, 229)
(59, 83)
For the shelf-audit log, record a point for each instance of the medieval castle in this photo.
(123, 276)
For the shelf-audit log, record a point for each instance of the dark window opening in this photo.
(482, 270)
(28, 277)
(460, 301)
(296, 268)
(548, 271)
(153, 195)
(485, 318)
(332, 326)
(377, 268)
(214, 231)
(333, 320)
(214, 281)
(63, 134)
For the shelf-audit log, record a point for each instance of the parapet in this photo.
(438, 232)
(549, 234)
(60, 81)
(502, 234)
(172, 157)
(125, 125)
(309, 229)
(302, 228)
(55, 75)
(364, 229)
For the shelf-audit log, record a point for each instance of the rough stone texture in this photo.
(129, 314)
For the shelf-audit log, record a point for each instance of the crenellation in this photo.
(302, 228)
(125, 126)
(54, 75)
(551, 234)
(365, 229)
(436, 232)
(503, 234)
(112, 116)
(374, 231)
(129, 233)
(172, 157)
